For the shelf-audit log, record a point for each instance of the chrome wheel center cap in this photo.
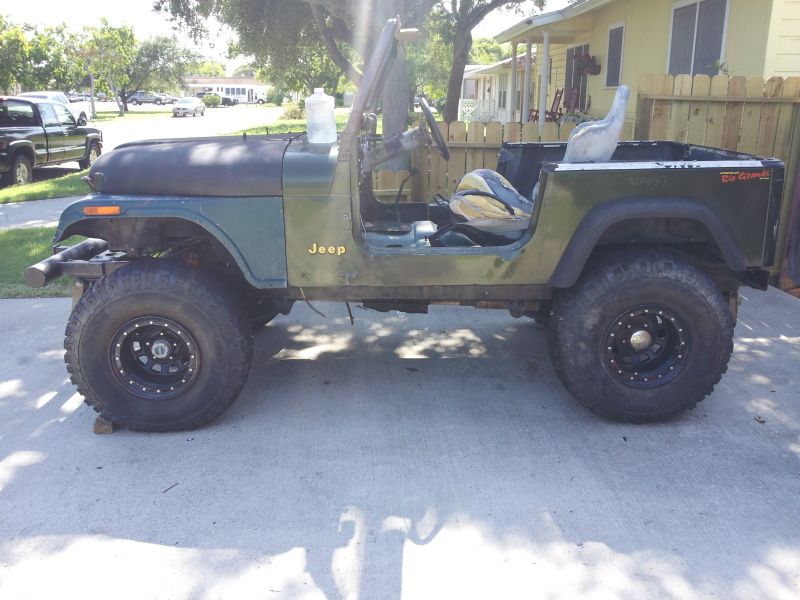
(641, 340)
(160, 349)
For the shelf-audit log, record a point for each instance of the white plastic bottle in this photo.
(320, 123)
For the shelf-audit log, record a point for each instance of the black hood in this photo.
(219, 166)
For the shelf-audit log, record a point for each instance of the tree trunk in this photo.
(91, 95)
(461, 48)
(396, 103)
(119, 98)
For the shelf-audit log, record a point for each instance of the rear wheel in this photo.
(158, 346)
(641, 337)
(21, 171)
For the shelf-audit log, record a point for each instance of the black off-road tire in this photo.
(597, 358)
(91, 155)
(208, 322)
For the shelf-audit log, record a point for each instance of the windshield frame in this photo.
(372, 82)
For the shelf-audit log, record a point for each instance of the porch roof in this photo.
(563, 25)
(498, 67)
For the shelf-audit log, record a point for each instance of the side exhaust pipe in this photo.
(43, 272)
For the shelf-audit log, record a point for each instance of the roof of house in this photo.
(498, 67)
(525, 29)
(224, 80)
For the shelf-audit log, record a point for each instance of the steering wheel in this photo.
(433, 129)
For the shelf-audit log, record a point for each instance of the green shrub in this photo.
(293, 111)
(276, 96)
(211, 100)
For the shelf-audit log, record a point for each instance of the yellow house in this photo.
(593, 46)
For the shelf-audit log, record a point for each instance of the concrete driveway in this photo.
(408, 457)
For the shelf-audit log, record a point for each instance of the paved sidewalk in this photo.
(414, 457)
(34, 213)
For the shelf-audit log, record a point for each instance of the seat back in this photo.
(596, 141)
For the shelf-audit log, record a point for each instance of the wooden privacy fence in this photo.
(745, 114)
(473, 145)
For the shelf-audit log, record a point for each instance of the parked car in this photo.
(80, 110)
(188, 105)
(223, 100)
(150, 98)
(35, 133)
(634, 262)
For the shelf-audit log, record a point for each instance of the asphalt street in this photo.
(409, 456)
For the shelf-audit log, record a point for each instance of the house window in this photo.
(696, 39)
(616, 36)
(502, 90)
(573, 78)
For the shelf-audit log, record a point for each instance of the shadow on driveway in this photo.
(409, 456)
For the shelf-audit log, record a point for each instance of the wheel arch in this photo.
(647, 221)
(26, 149)
(164, 232)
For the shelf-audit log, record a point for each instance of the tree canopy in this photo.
(56, 58)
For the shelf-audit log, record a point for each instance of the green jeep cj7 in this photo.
(633, 262)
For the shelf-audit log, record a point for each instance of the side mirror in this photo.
(407, 35)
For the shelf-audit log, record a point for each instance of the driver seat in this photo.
(487, 210)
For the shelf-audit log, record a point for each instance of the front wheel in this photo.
(91, 156)
(159, 346)
(641, 337)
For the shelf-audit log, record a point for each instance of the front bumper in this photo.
(89, 259)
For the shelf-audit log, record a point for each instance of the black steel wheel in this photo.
(154, 357)
(159, 346)
(646, 346)
(641, 337)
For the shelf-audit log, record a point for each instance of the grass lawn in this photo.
(68, 185)
(20, 248)
(294, 125)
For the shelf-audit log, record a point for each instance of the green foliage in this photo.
(206, 68)
(287, 47)
(276, 96)
(429, 59)
(293, 111)
(109, 52)
(13, 53)
(485, 51)
(211, 100)
(160, 63)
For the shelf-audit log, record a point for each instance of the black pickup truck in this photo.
(35, 133)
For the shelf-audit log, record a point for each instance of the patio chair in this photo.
(551, 115)
(573, 100)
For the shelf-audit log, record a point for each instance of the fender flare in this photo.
(23, 146)
(262, 269)
(600, 218)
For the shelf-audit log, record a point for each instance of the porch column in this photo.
(545, 70)
(513, 103)
(526, 84)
